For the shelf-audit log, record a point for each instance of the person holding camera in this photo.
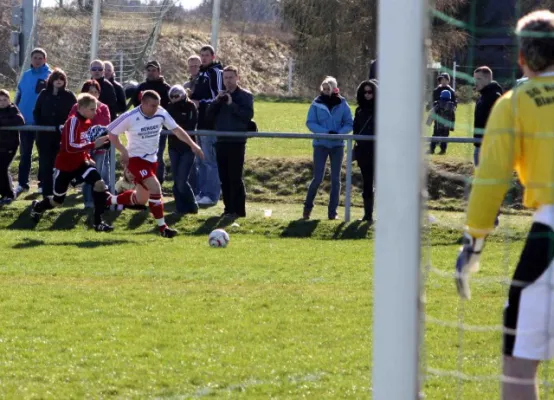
(232, 110)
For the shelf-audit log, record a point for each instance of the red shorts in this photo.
(141, 169)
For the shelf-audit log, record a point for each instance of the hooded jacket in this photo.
(208, 83)
(120, 96)
(489, 94)
(185, 114)
(31, 84)
(325, 119)
(108, 96)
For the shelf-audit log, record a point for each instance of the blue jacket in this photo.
(31, 84)
(321, 120)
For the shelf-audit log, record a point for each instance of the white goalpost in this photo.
(396, 320)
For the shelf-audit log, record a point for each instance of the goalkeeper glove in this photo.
(467, 263)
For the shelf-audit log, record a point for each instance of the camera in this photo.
(224, 98)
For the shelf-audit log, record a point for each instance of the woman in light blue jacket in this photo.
(329, 113)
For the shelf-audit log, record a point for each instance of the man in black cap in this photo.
(155, 81)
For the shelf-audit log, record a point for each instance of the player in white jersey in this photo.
(143, 126)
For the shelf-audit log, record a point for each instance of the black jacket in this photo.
(437, 94)
(108, 96)
(489, 94)
(364, 118)
(10, 116)
(208, 83)
(234, 117)
(159, 86)
(53, 110)
(120, 96)
(185, 114)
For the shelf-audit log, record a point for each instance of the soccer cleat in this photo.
(167, 232)
(35, 215)
(103, 227)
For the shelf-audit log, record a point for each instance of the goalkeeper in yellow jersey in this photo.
(520, 136)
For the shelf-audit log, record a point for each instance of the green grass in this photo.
(274, 315)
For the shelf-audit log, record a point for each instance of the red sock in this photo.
(157, 209)
(127, 198)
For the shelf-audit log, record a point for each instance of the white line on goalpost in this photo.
(401, 60)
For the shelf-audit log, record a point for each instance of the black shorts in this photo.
(62, 179)
(529, 313)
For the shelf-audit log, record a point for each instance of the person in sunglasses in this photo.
(364, 151)
(107, 91)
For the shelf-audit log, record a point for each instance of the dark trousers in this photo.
(440, 132)
(160, 172)
(48, 145)
(366, 162)
(181, 167)
(230, 164)
(26, 152)
(6, 186)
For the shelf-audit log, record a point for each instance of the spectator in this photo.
(156, 82)
(194, 62)
(490, 91)
(52, 109)
(107, 91)
(181, 156)
(329, 113)
(207, 85)
(100, 156)
(31, 84)
(109, 74)
(443, 81)
(232, 110)
(9, 141)
(444, 116)
(364, 151)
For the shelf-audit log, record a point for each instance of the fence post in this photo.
(112, 169)
(216, 10)
(348, 190)
(291, 69)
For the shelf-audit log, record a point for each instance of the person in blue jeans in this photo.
(181, 156)
(329, 113)
(31, 84)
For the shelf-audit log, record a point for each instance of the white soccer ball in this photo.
(218, 238)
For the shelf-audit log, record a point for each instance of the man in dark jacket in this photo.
(107, 91)
(109, 74)
(207, 85)
(232, 110)
(156, 82)
(9, 142)
(490, 92)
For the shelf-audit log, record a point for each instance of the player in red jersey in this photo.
(142, 126)
(73, 161)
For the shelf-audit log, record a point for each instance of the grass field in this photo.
(284, 312)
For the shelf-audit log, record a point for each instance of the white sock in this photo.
(161, 221)
(113, 199)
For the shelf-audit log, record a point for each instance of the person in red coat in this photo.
(101, 157)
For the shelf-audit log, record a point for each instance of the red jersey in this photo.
(75, 146)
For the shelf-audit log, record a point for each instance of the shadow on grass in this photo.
(68, 219)
(300, 228)
(86, 244)
(23, 221)
(353, 230)
(212, 223)
(138, 219)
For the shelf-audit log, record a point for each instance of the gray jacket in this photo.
(234, 117)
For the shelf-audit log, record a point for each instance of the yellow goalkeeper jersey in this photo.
(519, 136)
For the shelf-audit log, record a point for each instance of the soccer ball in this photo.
(96, 131)
(218, 238)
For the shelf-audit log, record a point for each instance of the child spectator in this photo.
(9, 142)
(444, 116)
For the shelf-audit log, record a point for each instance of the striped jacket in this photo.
(75, 146)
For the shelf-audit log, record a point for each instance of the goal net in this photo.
(458, 352)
